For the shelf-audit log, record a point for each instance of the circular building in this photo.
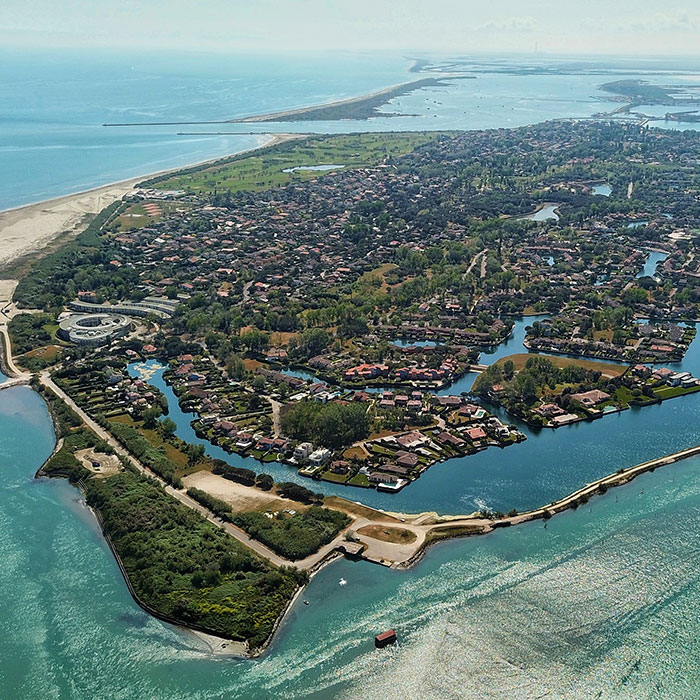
(93, 329)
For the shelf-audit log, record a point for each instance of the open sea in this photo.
(602, 602)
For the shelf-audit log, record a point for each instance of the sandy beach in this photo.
(30, 228)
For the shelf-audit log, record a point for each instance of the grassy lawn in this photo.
(265, 169)
(670, 392)
(359, 480)
(335, 478)
(395, 535)
(607, 368)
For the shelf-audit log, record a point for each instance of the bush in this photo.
(186, 568)
(294, 536)
(220, 508)
(295, 492)
(239, 474)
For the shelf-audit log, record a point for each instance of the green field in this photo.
(670, 392)
(264, 169)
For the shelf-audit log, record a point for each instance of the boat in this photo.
(306, 602)
(384, 639)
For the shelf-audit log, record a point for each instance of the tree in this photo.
(150, 417)
(235, 367)
(508, 369)
(195, 453)
(167, 428)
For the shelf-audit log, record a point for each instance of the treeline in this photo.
(244, 476)
(145, 452)
(294, 536)
(28, 332)
(220, 508)
(69, 427)
(187, 569)
(332, 424)
(56, 278)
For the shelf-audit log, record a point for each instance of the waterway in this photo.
(546, 213)
(602, 603)
(549, 465)
(653, 260)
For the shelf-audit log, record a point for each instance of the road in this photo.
(182, 497)
(475, 259)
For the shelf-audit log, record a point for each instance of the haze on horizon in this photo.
(631, 27)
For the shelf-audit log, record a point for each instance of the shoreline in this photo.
(481, 526)
(308, 113)
(29, 228)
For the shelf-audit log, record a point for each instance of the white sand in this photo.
(30, 228)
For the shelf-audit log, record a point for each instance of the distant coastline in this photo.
(361, 107)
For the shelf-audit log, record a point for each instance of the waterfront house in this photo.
(590, 398)
(319, 457)
(302, 451)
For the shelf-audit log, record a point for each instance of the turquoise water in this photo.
(600, 603)
(603, 603)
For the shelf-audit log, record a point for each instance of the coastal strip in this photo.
(29, 228)
(361, 107)
(434, 528)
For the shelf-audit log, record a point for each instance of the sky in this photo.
(639, 27)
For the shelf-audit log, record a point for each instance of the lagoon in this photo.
(549, 465)
(547, 212)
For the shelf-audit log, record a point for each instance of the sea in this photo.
(600, 602)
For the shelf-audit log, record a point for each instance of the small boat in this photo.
(306, 602)
(342, 582)
(384, 639)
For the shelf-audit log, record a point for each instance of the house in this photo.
(677, 379)
(449, 439)
(476, 434)
(590, 398)
(663, 373)
(548, 410)
(319, 457)
(340, 466)
(302, 451)
(406, 459)
(394, 469)
(411, 440)
(276, 355)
